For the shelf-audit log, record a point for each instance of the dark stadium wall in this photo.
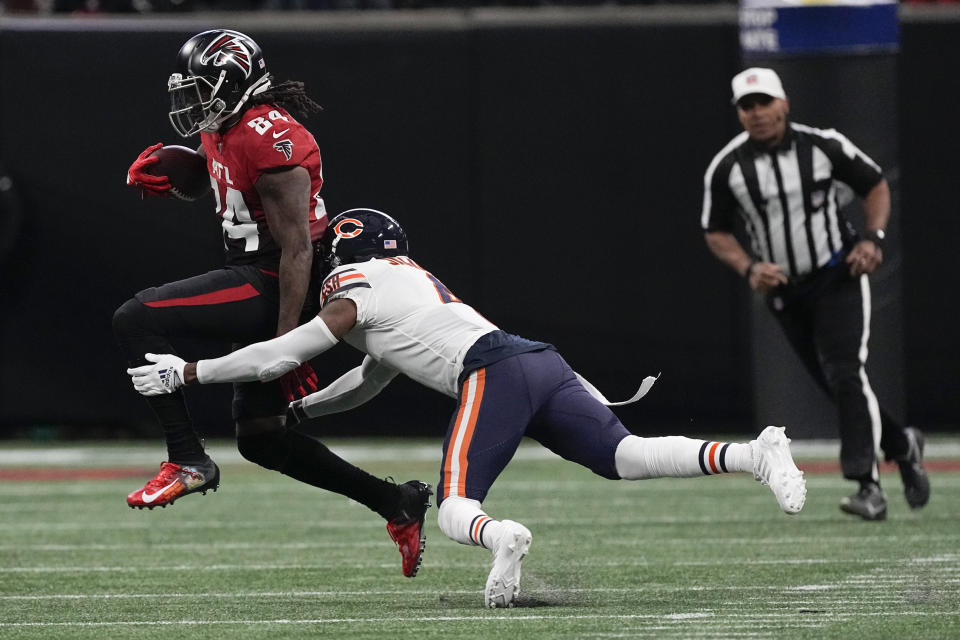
(929, 139)
(549, 172)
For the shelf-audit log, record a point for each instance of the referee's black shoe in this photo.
(869, 503)
(916, 484)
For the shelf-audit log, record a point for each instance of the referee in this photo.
(783, 179)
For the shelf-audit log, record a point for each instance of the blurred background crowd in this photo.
(173, 6)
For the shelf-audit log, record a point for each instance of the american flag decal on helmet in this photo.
(228, 48)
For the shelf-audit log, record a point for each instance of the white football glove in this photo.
(165, 375)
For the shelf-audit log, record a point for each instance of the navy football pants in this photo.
(532, 394)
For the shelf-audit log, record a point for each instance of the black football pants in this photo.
(827, 321)
(236, 305)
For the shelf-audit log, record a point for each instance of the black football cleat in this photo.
(869, 503)
(916, 484)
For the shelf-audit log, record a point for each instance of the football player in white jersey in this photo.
(378, 300)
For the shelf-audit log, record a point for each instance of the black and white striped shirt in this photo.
(788, 195)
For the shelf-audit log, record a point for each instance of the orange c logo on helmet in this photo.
(353, 233)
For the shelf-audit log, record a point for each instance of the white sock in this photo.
(679, 457)
(463, 521)
(740, 457)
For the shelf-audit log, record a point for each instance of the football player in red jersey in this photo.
(266, 176)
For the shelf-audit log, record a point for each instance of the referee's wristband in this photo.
(746, 274)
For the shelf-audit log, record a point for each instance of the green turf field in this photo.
(266, 557)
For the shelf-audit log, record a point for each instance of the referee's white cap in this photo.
(757, 80)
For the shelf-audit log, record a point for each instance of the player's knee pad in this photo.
(454, 517)
(129, 318)
(133, 319)
(138, 330)
(269, 449)
(632, 459)
(667, 456)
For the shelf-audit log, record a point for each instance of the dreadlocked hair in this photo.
(290, 95)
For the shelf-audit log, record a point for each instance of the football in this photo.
(186, 169)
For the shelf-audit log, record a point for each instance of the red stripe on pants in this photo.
(233, 294)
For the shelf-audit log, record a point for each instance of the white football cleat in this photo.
(503, 583)
(773, 466)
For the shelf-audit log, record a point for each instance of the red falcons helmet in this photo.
(217, 72)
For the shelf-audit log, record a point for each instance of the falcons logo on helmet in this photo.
(226, 49)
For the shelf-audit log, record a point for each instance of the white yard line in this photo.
(320, 525)
(630, 562)
(624, 493)
(692, 618)
(634, 541)
(843, 585)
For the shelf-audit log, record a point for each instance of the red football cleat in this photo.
(407, 528)
(175, 481)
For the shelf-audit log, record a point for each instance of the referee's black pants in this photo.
(826, 318)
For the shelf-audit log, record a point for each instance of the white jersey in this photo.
(407, 322)
(407, 319)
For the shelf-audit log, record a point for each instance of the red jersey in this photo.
(266, 137)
